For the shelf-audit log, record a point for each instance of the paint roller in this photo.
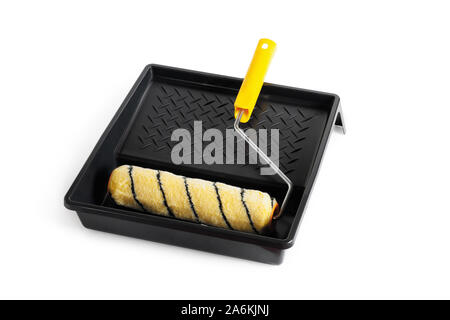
(202, 201)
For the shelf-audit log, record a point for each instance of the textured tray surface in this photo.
(170, 104)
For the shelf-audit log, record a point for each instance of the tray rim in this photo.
(278, 243)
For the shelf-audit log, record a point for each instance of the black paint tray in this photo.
(166, 98)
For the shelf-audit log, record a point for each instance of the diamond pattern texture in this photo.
(168, 106)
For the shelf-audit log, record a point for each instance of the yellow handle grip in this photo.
(254, 80)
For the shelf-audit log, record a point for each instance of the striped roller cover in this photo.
(202, 201)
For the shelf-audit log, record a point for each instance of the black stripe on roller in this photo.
(158, 178)
(190, 200)
(220, 206)
(133, 191)
(248, 212)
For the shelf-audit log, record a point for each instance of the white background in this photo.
(378, 220)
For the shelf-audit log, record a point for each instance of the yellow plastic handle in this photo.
(254, 80)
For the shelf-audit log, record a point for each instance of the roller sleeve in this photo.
(197, 200)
